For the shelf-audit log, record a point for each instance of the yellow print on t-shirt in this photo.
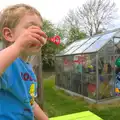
(32, 93)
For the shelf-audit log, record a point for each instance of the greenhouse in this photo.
(87, 67)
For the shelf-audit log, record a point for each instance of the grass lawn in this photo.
(58, 103)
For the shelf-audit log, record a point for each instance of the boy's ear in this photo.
(7, 34)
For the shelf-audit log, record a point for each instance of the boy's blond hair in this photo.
(11, 16)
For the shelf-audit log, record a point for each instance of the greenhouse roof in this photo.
(91, 44)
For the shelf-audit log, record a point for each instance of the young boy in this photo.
(22, 36)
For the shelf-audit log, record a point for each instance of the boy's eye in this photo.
(30, 24)
(27, 26)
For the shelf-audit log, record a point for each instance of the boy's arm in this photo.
(31, 36)
(38, 113)
(7, 56)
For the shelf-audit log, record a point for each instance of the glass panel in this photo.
(116, 82)
(58, 80)
(66, 80)
(106, 72)
(59, 73)
(74, 45)
(71, 50)
(89, 76)
(80, 42)
(76, 74)
(68, 63)
(116, 40)
(76, 82)
(117, 48)
(117, 34)
(59, 64)
(86, 45)
(99, 43)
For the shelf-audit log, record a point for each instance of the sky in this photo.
(55, 10)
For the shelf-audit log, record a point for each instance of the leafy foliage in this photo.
(50, 49)
(75, 34)
(93, 17)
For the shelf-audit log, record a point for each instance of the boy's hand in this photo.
(32, 38)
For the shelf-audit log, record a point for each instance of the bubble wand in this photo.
(55, 39)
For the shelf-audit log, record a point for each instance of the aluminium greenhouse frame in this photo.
(111, 36)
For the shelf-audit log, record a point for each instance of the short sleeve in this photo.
(6, 79)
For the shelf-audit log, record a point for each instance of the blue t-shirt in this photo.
(18, 88)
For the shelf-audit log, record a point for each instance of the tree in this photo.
(60, 31)
(70, 29)
(50, 49)
(71, 19)
(93, 17)
(75, 34)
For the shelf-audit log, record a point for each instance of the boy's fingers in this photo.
(35, 42)
(38, 31)
(42, 40)
(35, 35)
(45, 40)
